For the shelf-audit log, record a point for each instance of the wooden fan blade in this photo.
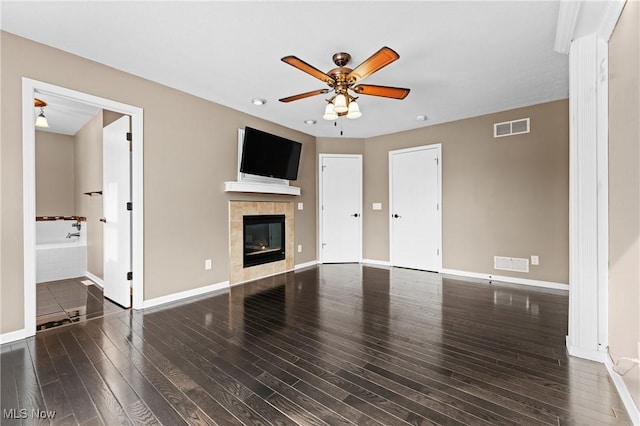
(304, 95)
(309, 69)
(380, 59)
(384, 91)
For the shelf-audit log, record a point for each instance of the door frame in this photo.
(438, 147)
(29, 89)
(321, 200)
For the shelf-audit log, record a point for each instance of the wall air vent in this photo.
(513, 264)
(508, 128)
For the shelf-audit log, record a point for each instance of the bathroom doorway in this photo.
(87, 300)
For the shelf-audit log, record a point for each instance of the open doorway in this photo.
(87, 210)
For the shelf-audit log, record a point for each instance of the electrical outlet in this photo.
(207, 264)
(299, 248)
(535, 260)
(300, 206)
(376, 206)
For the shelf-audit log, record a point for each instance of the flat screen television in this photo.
(269, 155)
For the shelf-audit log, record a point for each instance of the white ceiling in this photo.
(460, 59)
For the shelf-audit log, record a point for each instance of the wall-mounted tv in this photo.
(269, 155)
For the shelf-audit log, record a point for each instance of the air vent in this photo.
(508, 128)
(513, 264)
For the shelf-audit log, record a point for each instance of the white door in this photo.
(415, 223)
(340, 208)
(116, 193)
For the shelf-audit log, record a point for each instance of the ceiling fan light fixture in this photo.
(354, 111)
(340, 104)
(330, 113)
(258, 101)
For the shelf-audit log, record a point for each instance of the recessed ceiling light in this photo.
(258, 101)
(310, 122)
(421, 117)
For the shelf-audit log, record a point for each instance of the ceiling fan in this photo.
(343, 79)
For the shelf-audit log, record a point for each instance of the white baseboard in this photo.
(94, 278)
(305, 265)
(185, 294)
(623, 391)
(513, 280)
(12, 336)
(373, 262)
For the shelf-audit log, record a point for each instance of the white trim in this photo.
(610, 19)
(305, 265)
(175, 297)
(602, 176)
(262, 188)
(374, 262)
(12, 336)
(438, 147)
(567, 19)
(512, 280)
(29, 88)
(322, 156)
(29, 207)
(94, 278)
(623, 391)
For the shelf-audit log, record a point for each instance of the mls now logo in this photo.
(23, 413)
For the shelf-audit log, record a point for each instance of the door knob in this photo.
(103, 219)
(355, 215)
(396, 216)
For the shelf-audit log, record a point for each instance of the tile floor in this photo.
(68, 301)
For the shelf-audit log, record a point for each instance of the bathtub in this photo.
(58, 257)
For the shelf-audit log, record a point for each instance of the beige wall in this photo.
(340, 145)
(505, 197)
(190, 150)
(624, 192)
(55, 194)
(88, 166)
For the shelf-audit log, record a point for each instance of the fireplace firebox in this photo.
(263, 237)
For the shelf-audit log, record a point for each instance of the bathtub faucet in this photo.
(75, 234)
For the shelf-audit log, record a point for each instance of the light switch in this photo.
(535, 260)
(376, 206)
(300, 206)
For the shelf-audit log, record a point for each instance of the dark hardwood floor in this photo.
(336, 344)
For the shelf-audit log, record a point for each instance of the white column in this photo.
(588, 228)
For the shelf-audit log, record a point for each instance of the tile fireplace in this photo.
(273, 240)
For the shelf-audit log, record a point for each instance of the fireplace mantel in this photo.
(264, 188)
